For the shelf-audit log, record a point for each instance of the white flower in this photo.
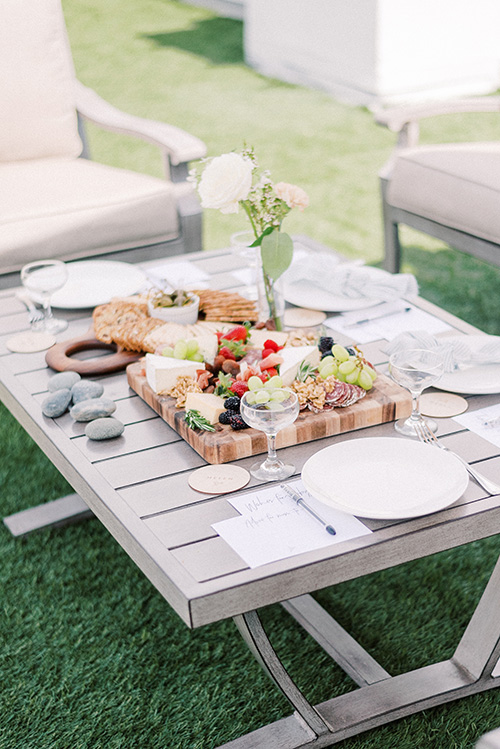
(293, 196)
(226, 181)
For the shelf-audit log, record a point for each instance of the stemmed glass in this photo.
(42, 278)
(415, 370)
(275, 411)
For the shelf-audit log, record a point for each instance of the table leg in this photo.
(474, 668)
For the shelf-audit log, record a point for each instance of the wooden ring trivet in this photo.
(59, 357)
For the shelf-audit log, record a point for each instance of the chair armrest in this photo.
(180, 146)
(404, 120)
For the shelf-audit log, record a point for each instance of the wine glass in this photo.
(270, 411)
(42, 278)
(415, 370)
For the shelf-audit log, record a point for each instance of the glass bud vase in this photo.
(271, 301)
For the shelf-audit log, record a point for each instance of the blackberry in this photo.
(232, 404)
(224, 417)
(325, 344)
(351, 351)
(237, 422)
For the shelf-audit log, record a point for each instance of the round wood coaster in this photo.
(218, 479)
(299, 317)
(442, 405)
(29, 341)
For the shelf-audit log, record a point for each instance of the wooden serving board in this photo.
(60, 356)
(385, 402)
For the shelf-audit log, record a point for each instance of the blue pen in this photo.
(302, 503)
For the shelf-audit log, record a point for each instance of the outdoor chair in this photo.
(54, 201)
(450, 191)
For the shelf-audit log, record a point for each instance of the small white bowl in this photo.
(185, 315)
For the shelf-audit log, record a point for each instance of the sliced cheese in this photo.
(293, 356)
(259, 337)
(162, 372)
(207, 404)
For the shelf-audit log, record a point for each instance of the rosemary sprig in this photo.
(195, 420)
(305, 370)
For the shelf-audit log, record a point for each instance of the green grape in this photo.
(370, 371)
(327, 360)
(352, 376)
(262, 396)
(275, 406)
(341, 376)
(273, 383)
(167, 351)
(254, 382)
(192, 347)
(250, 397)
(279, 396)
(339, 352)
(180, 349)
(195, 357)
(346, 367)
(328, 370)
(364, 380)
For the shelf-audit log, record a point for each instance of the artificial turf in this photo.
(92, 657)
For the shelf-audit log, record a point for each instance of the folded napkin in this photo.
(457, 353)
(349, 280)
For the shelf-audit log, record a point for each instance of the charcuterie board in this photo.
(386, 401)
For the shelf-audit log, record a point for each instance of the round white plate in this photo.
(93, 282)
(480, 379)
(313, 297)
(385, 477)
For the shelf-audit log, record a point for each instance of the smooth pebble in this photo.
(85, 390)
(95, 408)
(56, 403)
(63, 381)
(104, 429)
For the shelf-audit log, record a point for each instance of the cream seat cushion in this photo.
(70, 208)
(457, 185)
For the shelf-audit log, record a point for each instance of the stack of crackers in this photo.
(227, 306)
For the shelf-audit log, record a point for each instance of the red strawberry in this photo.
(227, 353)
(271, 345)
(239, 387)
(267, 352)
(238, 333)
(271, 371)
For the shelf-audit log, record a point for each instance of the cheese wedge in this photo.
(207, 404)
(293, 356)
(162, 372)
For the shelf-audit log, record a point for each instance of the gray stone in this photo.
(56, 403)
(95, 408)
(104, 429)
(85, 390)
(63, 380)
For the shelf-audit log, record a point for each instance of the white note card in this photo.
(485, 422)
(401, 317)
(180, 274)
(271, 526)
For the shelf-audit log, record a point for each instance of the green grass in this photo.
(92, 657)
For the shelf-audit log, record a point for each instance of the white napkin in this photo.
(349, 280)
(457, 354)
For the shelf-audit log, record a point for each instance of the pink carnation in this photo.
(293, 196)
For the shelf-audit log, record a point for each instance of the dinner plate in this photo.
(385, 477)
(479, 379)
(313, 297)
(93, 282)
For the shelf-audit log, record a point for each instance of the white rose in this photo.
(226, 181)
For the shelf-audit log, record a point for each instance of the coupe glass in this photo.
(42, 278)
(278, 412)
(415, 370)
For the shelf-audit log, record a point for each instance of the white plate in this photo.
(313, 297)
(480, 379)
(93, 282)
(385, 477)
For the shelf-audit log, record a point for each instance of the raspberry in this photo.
(237, 422)
(239, 387)
(224, 417)
(232, 404)
(325, 344)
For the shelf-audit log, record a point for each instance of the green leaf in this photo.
(258, 241)
(195, 420)
(277, 252)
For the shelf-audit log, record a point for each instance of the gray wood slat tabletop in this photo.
(137, 485)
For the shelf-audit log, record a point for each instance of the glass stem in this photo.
(272, 457)
(415, 406)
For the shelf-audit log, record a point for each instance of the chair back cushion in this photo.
(37, 99)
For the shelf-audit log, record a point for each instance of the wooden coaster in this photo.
(218, 479)
(442, 405)
(298, 317)
(28, 342)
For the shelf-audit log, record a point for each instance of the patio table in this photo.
(137, 486)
